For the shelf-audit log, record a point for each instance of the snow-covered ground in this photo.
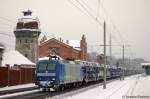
(132, 87)
(141, 88)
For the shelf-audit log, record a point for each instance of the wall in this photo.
(63, 50)
(21, 75)
(3, 76)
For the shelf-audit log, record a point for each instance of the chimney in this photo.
(1, 53)
(60, 39)
(67, 41)
(27, 13)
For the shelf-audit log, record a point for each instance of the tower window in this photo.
(26, 41)
(20, 41)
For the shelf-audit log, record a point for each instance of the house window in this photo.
(31, 41)
(26, 55)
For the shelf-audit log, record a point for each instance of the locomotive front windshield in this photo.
(43, 66)
(51, 67)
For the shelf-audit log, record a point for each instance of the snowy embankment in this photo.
(115, 90)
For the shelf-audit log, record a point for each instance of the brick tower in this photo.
(83, 46)
(27, 32)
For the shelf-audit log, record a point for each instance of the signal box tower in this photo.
(27, 32)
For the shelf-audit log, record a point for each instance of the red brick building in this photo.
(67, 49)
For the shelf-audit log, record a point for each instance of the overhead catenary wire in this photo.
(6, 19)
(96, 18)
(7, 34)
(6, 24)
(112, 23)
(86, 9)
(123, 40)
(79, 8)
(90, 8)
(98, 7)
(88, 12)
(87, 6)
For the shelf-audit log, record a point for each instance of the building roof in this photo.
(1, 46)
(14, 57)
(73, 43)
(145, 64)
(27, 17)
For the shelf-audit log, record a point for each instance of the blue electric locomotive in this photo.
(49, 73)
(55, 73)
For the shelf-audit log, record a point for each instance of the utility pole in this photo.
(37, 52)
(104, 73)
(123, 61)
(110, 50)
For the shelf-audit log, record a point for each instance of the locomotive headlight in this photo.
(45, 83)
(53, 78)
(48, 83)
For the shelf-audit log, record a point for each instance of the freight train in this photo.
(55, 73)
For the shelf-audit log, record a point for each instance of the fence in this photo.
(13, 76)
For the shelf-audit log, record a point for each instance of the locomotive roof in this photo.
(47, 58)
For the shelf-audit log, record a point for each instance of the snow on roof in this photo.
(14, 57)
(74, 43)
(1, 46)
(28, 18)
(145, 64)
(114, 67)
(25, 29)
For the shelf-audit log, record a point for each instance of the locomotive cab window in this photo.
(42, 66)
(51, 67)
(46, 66)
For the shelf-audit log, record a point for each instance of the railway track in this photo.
(38, 94)
(4, 92)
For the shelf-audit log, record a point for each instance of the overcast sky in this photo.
(60, 18)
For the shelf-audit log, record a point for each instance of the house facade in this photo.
(67, 49)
